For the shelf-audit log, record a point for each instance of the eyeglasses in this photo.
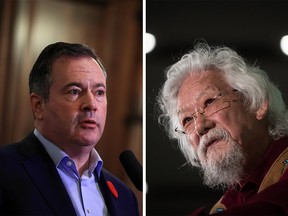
(211, 106)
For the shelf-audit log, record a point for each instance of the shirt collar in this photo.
(57, 154)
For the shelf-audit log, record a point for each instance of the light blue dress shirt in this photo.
(84, 191)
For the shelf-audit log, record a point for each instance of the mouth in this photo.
(88, 124)
(212, 142)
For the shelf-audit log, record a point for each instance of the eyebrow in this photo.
(80, 85)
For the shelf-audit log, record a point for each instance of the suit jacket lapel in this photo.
(107, 194)
(45, 176)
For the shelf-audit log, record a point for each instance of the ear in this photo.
(262, 111)
(37, 103)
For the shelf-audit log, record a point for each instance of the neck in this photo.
(81, 161)
(82, 166)
(81, 157)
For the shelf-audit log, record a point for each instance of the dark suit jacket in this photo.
(31, 185)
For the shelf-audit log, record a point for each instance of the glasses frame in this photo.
(202, 111)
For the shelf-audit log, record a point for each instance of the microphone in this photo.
(133, 168)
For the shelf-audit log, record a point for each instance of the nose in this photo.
(203, 124)
(89, 102)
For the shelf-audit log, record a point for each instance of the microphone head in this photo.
(133, 168)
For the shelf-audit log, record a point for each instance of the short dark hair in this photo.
(40, 75)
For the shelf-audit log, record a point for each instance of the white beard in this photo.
(221, 168)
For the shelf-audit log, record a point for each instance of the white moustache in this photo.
(212, 136)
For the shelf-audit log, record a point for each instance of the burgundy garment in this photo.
(244, 199)
(250, 186)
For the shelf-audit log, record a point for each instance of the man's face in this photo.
(213, 137)
(75, 112)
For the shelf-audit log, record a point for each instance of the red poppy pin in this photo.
(112, 189)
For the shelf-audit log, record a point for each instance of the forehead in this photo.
(198, 85)
(67, 68)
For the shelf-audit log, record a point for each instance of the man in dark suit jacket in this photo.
(55, 170)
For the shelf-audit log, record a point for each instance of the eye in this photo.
(208, 102)
(187, 120)
(100, 93)
(74, 92)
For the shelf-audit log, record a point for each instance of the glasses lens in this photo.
(216, 106)
(213, 108)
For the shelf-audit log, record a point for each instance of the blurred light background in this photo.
(113, 28)
(253, 28)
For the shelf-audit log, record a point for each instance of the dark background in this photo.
(253, 29)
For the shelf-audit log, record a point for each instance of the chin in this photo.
(85, 137)
(88, 140)
(215, 155)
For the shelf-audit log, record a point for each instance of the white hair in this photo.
(251, 81)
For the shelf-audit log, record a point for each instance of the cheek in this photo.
(103, 111)
(194, 141)
(62, 116)
(238, 125)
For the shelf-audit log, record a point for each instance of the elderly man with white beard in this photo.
(231, 122)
